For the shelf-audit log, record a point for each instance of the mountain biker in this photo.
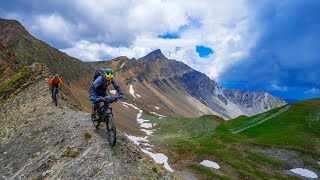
(99, 87)
(54, 82)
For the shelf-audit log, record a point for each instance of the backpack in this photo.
(98, 73)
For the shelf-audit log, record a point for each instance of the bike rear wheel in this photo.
(111, 130)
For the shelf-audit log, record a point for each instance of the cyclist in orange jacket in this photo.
(54, 82)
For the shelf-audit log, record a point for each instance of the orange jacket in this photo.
(55, 81)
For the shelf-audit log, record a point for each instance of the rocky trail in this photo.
(41, 141)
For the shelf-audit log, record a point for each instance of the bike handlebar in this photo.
(108, 100)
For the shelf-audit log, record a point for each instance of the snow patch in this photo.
(125, 103)
(138, 95)
(143, 141)
(132, 91)
(157, 114)
(210, 164)
(304, 172)
(159, 158)
(122, 65)
(137, 140)
(142, 122)
(139, 114)
(146, 125)
(156, 107)
(113, 91)
(147, 131)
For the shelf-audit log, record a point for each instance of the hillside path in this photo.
(282, 110)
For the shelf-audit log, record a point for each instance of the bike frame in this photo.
(103, 111)
(106, 116)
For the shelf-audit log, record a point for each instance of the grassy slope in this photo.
(24, 78)
(189, 141)
(298, 128)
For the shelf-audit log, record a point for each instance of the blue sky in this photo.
(253, 45)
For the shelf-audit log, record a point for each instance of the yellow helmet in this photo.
(108, 73)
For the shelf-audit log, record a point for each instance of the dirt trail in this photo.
(282, 110)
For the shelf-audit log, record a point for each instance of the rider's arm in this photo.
(116, 86)
(50, 82)
(95, 84)
(60, 82)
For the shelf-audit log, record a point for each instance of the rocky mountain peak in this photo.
(12, 28)
(154, 55)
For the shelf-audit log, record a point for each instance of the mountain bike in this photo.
(104, 114)
(55, 95)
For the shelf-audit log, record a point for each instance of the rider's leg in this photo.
(57, 88)
(51, 88)
(94, 106)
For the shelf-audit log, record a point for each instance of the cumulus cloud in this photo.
(128, 27)
(275, 87)
(313, 91)
(56, 27)
(287, 50)
(88, 51)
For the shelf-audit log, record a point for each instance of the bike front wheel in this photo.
(95, 120)
(111, 130)
(55, 96)
(55, 100)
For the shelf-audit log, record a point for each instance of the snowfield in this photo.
(210, 164)
(137, 140)
(132, 91)
(304, 172)
(159, 158)
(145, 125)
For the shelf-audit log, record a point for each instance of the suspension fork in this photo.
(104, 111)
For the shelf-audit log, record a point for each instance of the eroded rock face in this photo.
(39, 140)
(170, 75)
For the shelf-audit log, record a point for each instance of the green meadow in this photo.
(253, 151)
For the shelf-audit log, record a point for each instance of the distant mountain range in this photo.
(172, 86)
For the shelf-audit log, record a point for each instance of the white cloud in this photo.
(87, 51)
(312, 91)
(156, 16)
(225, 27)
(97, 29)
(54, 26)
(276, 87)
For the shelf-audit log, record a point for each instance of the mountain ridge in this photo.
(169, 84)
(162, 71)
